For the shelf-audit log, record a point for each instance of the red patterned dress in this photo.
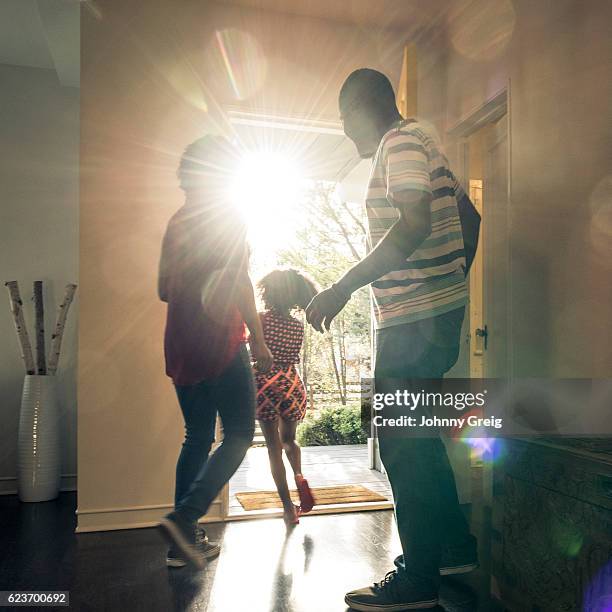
(280, 391)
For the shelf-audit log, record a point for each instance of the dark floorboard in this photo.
(259, 570)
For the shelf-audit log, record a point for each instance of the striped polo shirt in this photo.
(432, 281)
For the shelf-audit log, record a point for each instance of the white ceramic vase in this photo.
(38, 447)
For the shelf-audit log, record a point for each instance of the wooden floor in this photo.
(323, 466)
(260, 569)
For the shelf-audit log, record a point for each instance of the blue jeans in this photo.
(200, 477)
(427, 509)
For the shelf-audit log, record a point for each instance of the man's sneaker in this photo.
(209, 550)
(392, 594)
(452, 563)
(457, 560)
(181, 535)
(450, 566)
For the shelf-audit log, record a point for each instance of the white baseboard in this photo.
(8, 484)
(133, 517)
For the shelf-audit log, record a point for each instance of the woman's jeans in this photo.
(427, 509)
(200, 477)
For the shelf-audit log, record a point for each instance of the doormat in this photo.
(324, 496)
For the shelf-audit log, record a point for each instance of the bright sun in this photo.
(267, 188)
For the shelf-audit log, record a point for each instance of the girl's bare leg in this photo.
(294, 454)
(275, 454)
(292, 448)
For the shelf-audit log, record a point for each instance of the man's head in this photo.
(206, 165)
(367, 109)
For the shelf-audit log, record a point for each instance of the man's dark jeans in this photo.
(199, 478)
(427, 509)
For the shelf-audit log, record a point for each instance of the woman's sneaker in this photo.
(392, 594)
(181, 536)
(209, 550)
(306, 499)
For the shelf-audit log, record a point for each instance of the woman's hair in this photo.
(284, 290)
(209, 157)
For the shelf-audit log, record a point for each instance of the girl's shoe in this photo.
(292, 519)
(306, 499)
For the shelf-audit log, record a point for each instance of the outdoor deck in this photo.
(323, 466)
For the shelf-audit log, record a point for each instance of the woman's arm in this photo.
(163, 271)
(231, 287)
(246, 304)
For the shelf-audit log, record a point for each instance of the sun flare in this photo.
(266, 188)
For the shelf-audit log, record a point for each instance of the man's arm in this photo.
(409, 190)
(403, 238)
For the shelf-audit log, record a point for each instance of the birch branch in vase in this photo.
(20, 327)
(41, 365)
(56, 338)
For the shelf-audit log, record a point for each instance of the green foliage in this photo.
(332, 426)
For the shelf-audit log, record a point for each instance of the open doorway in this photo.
(317, 229)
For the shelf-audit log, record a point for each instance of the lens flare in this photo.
(481, 29)
(267, 189)
(238, 59)
(186, 83)
(598, 596)
(490, 450)
(567, 538)
(228, 64)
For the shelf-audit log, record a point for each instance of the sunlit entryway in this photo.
(306, 214)
(326, 466)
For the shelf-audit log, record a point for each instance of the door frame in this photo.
(492, 110)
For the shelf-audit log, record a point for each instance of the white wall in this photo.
(556, 58)
(39, 148)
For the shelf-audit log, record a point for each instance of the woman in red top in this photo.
(281, 396)
(203, 277)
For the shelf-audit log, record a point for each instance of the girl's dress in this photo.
(280, 391)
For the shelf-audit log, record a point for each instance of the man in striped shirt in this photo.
(416, 266)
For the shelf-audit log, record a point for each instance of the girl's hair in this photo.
(284, 290)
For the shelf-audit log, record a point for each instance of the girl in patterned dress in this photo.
(281, 396)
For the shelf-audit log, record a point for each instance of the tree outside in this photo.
(329, 241)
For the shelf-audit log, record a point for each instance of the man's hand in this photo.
(324, 307)
(261, 356)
